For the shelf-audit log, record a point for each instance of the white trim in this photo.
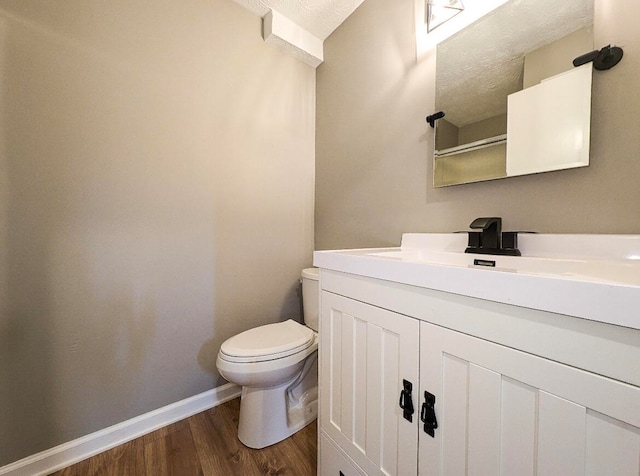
(280, 31)
(66, 454)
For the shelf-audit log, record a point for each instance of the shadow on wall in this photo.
(89, 272)
(26, 375)
(153, 202)
(26, 327)
(292, 303)
(73, 327)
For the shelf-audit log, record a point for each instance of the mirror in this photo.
(512, 56)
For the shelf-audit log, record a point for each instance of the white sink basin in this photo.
(594, 277)
(595, 270)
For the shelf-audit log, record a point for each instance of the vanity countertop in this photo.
(595, 277)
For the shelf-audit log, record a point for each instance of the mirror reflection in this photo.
(522, 45)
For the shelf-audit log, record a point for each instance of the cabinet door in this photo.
(365, 354)
(505, 412)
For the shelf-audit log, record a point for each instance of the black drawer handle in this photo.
(406, 401)
(428, 414)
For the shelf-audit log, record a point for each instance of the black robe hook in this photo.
(434, 117)
(608, 57)
(603, 59)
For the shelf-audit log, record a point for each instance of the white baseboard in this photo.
(64, 455)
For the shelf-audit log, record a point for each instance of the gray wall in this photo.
(551, 59)
(374, 149)
(156, 197)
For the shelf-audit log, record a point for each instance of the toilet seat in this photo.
(268, 342)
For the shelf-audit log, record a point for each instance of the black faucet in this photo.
(491, 240)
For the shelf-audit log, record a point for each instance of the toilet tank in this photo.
(311, 297)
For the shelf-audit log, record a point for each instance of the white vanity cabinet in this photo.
(517, 391)
(503, 411)
(367, 352)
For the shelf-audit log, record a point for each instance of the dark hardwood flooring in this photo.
(204, 444)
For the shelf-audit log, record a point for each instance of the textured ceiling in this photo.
(479, 66)
(318, 17)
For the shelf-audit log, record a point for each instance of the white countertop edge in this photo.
(615, 304)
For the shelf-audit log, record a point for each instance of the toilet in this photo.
(277, 367)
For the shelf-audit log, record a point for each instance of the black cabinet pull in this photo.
(428, 414)
(406, 401)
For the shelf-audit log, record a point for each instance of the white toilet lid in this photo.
(268, 342)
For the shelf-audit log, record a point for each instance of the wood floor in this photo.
(204, 444)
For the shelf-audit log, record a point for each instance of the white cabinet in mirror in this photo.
(558, 110)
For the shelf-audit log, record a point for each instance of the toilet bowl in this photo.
(277, 367)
